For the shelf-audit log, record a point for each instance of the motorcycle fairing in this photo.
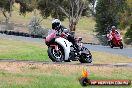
(66, 46)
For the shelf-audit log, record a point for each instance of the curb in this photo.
(21, 34)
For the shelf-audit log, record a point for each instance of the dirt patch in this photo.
(64, 69)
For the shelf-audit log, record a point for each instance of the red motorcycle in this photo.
(116, 41)
(60, 49)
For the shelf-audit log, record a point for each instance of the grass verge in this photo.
(108, 58)
(20, 50)
(31, 75)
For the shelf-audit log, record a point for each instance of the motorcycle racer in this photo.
(61, 45)
(112, 33)
(114, 38)
(56, 25)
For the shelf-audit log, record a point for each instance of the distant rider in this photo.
(112, 33)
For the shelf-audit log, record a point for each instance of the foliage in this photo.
(61, 9)
(126, 16)
(71, 9)
(5, 4)
(128, 36)
(107, 14)
(26, 5)
(6, 7)
(35, 27)
(128, 20)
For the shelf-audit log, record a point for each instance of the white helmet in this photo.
(113, 27)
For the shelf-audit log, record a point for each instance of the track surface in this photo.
(12, 37)
(125, 52)
(70, 63)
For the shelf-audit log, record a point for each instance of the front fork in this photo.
(80, 45)
(55, 47)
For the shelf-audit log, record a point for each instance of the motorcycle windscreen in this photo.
(51, 34)
(118, 37)
(50, 31)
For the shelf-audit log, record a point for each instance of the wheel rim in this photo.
(121, 47)
(57, 54)
(88, 58)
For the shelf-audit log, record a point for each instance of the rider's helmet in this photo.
(56, 23)
(113, 28)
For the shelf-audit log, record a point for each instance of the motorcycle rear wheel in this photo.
(86, 56)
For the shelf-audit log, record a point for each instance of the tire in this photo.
(52, 56)
(67, 61)
(121, 45)
(86, 56)
(108, 43)
(111, 45)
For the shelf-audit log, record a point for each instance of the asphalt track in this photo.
(124, 52)
(116, 50)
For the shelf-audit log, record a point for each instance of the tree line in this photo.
(106, 12)
(61, 9)
(117, 13)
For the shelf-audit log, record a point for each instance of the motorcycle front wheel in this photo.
(56, 55)
(121, 45)
(111, 44)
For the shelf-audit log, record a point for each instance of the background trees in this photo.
(128, 16)
(107, 14)
(114, 12)
(71, 9)
(26, 6)
(6, 8)
(128, 35)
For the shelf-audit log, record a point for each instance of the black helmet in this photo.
(56, 24)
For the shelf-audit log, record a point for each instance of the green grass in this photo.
(57, 76)
(19, 50)
(31, 75)
(39, 81)
(108, 58)
(22, 50)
